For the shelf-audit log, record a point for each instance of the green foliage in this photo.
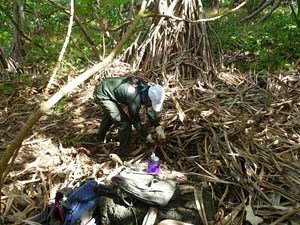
(72, 141)
(115, 3)
(6, 27)
(60, 105)
(269, 45)
(211, 3)
(296, 13)
(46, 26)
(261, 46)
(6, 88)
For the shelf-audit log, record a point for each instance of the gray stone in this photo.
(182, 207)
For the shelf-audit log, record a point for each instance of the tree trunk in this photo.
(7, 64)
(18, 51)
(11, 152)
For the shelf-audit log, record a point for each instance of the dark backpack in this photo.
(79, 204)
(82, 201)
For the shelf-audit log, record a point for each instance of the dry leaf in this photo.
(251, 218)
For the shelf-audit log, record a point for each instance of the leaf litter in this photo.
(235, 135)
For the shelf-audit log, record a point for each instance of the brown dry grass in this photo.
(235, 135)
(238, 138)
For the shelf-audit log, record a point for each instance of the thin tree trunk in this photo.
(12, 150)
(62, 52)
(257, 11)
(3, 60)
(18, 50)
(81, 26)
(273, 8)
(7, 64)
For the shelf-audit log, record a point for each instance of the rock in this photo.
(182, 207)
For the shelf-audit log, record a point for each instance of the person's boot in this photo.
(104, 127)
(124, 131)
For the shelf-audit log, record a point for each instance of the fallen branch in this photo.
(12, 150)
(63, 50)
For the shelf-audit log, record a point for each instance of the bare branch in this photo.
(61, 55)
(273, 8)
(5, 11)
(257, 11)
(197, 21)
(85, 33)
(12, 150)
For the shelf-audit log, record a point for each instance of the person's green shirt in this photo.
(119, 90)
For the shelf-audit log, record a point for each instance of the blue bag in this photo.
(82, 200)
(80, 207)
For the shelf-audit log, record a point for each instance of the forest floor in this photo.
(239, 138)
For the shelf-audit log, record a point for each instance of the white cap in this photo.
(157, 96)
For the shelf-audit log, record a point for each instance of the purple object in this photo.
(153, 164)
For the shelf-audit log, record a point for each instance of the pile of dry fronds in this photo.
(238, 138)
(235, 135)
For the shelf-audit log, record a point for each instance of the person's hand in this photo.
(160, 133)
(149, 139)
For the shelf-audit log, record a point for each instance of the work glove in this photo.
(160, 132)
(149, 139)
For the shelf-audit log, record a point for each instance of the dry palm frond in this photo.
(199, 204)
(239, 141)
(238, 135)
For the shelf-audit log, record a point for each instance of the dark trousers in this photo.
(114, 114)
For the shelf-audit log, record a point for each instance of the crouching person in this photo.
(116, 92)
